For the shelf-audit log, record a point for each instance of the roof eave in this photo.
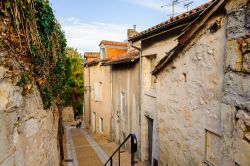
(92, 63)
(168, 26)
(122, 61)
(187, 35)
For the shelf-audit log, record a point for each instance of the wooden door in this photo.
(150, 140)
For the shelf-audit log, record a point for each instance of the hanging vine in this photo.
(31, 30)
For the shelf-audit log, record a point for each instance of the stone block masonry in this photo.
(235, 107)
(28, 133)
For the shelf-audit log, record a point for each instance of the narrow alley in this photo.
(125, 82)
(83, 149)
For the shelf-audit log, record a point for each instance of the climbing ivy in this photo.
(39, 35)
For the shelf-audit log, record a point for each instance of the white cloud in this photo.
(87, 36)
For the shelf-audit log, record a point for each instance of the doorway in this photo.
(150, 140)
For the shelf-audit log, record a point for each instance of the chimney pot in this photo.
(134, 26)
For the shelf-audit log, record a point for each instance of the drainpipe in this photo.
(140, 92)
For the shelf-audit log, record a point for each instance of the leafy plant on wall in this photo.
(33, 33)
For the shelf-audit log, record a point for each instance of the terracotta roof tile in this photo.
(92, 54)
(113, 43)
(171, 20)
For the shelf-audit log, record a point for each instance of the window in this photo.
(101, 124)
(98, 91)
(123, 104)
(103, 53)
(213, 148)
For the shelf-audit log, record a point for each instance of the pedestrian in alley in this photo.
(78, 122)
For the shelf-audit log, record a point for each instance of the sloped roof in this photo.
(113, 43)
(190, 30)
(128, 57)
(171, 22)
(92, 54)
(91, 63)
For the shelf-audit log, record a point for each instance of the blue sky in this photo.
(87, 22)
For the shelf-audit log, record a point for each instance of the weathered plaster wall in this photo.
(235, 107)
(189, 93)
(101, 74)
(125, 78)
(165, 42)
(68, 114)
(28, 134)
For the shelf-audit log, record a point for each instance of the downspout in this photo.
(140, 91)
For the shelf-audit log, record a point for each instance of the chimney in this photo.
(134, 26)
(132, 32)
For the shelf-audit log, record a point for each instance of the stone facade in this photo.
(203, 95)
(189, 93)
(98, 98)
(28, 134)
(125, 81)
(98, 89)
(235, 107)
(199, 100)
(153, 50)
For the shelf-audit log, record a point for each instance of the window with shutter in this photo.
(123, 104)
(96, 91)
(99, 92)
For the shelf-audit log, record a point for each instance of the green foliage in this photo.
(24, 79)
(73, 95)
(57, 73)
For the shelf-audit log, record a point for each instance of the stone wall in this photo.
(125, 79)
(203, 96)
(98, 98)
(153, 50)
(235, 107)
(68, 114)
(189, 92)
(28, 134)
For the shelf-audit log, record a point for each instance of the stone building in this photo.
(125, 95)
(92, 58)
(97, 82)
(198, 112)
(154, 43)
